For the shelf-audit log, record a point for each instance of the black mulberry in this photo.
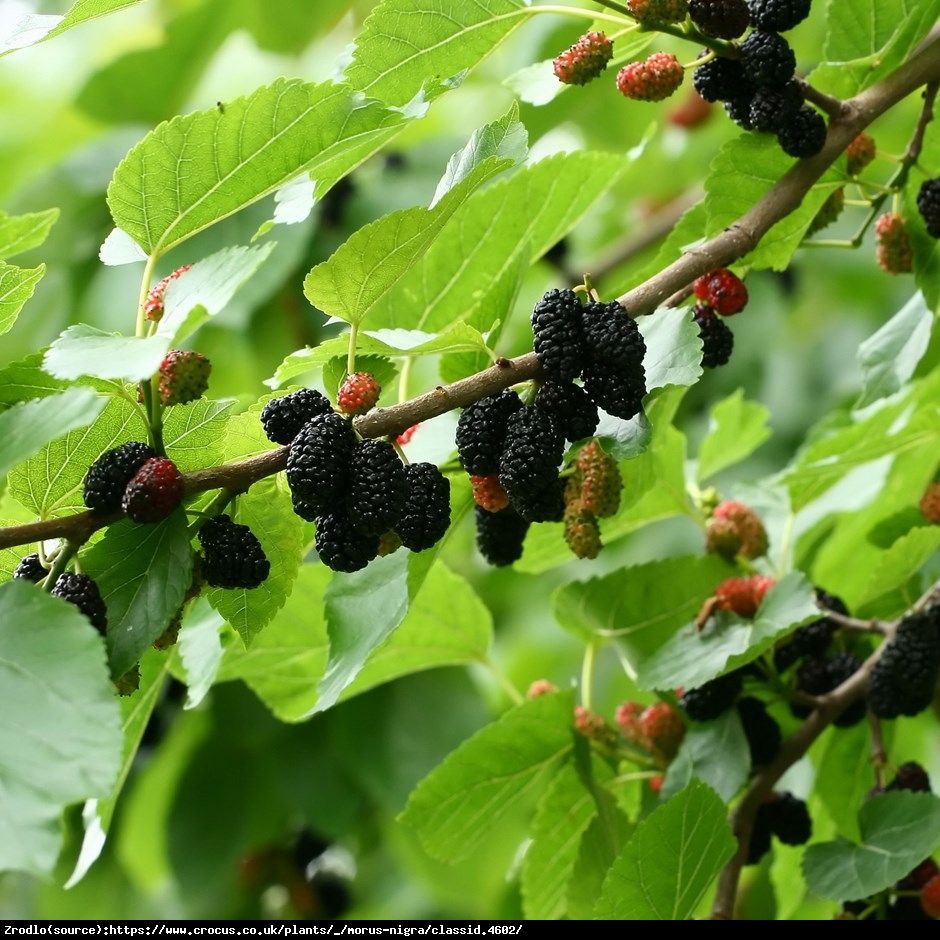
(911, 776)
(481, 430)
(377, 487)
(426, 515)
(903, 679)
(719, 79)
(778, 15)
(282, 418)
(108, 476)
(788, 817)
(618, 391)
(500, 535)
(31, 568)
(717, 338)
(559, 334)
(762, 732)
(82, 591)
(720, 19)
(772, 107)
(803, 134)
(532, 452)
(341, 546)
(545, 505)
(767, 59)
(928, 204)
(713, 698)
(572, 408)
(232, 555)
(612, 335)
(319, 459)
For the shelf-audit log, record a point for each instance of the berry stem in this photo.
(582, 14)
(351, 350)
(587, 673)
(65, 554)
(145, 280)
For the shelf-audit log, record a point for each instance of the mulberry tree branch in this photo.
(734, 242)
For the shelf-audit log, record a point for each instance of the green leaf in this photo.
(422, 641)
(143, 572)
(505, 139)
(563, 814)
(60, 739)
(362, 610)
(22, 232)
(85, 350)
(387, 63)
(194, 170)
(472, 272)
(266, 510)
(673, 348)
(391, 344)
(50, 483)
(25, 380)
(193, 433)
(899, 563)
(463, 800)
(867, 39)
(743, 171)
(200, 649)
(689, 658)
(28, 427)
(898, 831)
(135, 714)
(715, 752)
(16, 287)
(286, 660)
(601, 844)
(671, 861)
(84, 10)
(643, 618)
(372, 260)
(889, 356)
(736, 428)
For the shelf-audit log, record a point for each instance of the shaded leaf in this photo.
(898, 831)
(26, 428)
(16, 287)
(736, 428)
(689, 659)
(460, 802)
(671, 861)
(143, 572)
(673, 348)
(60, 739)
(22, 232)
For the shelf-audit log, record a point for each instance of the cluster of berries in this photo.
(782, 815)
(78, 589)
(657, 729)
(903, 680)
(513, 453)
(720, 293)
(758, 88)
(135, 479)
(363, 499)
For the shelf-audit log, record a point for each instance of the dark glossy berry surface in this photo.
(377, 487)
(717, 338)
(803, 134)
(154, 491)
(767, 58)
(500, 535)
(343, 547)
(426, 515)
(31, 569)
(713, 698)
(108, 476)
(903, 679)
(318, 461)
(282, 418)
(720, 79)
(559, 334)
(232, 555)
(82, 591)
(778, 15)
(762, 732)
(720, 19)
(928, 204)
(481, 431)
(572, 408)
(532, 453)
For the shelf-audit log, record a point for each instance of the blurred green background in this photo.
(227, 809)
